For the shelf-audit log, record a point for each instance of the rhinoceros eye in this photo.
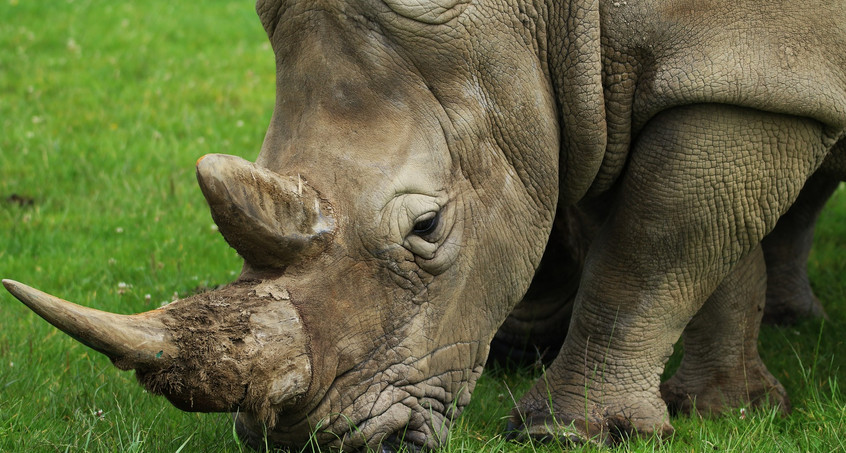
(427, 224)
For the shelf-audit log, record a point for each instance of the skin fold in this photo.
(409, 182)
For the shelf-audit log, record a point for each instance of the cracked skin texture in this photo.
(691, 125)
(693, 96)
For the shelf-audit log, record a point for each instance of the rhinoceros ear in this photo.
(270, 220)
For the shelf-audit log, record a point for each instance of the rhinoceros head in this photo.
(397, 211)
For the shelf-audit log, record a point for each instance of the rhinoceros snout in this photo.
(242, 347)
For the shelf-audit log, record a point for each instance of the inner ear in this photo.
(432, 12)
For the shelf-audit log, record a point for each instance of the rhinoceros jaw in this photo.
(131, 341)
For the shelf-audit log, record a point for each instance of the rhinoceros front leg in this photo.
(786, 249)
(705, 183)
(721, 368)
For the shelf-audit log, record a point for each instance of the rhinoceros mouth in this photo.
(402, 405)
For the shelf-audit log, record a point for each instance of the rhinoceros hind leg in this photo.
(721, 368)
(786, 249)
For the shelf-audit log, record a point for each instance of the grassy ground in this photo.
(105, 108)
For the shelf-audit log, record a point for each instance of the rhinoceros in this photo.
(405, 192)
(721, 368)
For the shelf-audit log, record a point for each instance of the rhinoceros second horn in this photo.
(269, 219)
(130, 341)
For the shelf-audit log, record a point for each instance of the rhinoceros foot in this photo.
(608, 423)
(787, 307)
(548, 430)
(577, 431)
(718, 393)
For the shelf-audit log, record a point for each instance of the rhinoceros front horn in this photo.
(130, 341)
(270, 220)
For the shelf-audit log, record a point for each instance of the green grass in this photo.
(104, 108)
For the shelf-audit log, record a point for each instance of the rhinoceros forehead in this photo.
(363, 166)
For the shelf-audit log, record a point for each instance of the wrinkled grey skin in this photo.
(533, 333)
(708, 107)
(721, 368)
(694, 124)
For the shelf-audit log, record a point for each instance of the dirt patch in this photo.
(234, 345)
(20, 200)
